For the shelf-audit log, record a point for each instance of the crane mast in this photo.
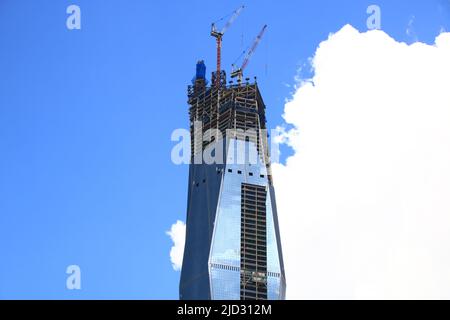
(218, 35)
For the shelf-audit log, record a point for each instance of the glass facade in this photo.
(225, 256)
(232, 248)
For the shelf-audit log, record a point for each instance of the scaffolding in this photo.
(235, 108)
(253, 242)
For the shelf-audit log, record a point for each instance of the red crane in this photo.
(238, 72)
(219, 34)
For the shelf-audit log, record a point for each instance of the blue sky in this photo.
(86, 117)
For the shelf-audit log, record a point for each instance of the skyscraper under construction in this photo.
(233, 248)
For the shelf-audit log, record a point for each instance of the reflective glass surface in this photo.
(224, 262)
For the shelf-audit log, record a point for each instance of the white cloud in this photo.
(178, 234)
(364, 203)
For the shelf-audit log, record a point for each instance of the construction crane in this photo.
(238, 72)
(219, 34)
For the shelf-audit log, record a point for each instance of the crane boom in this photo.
(235, 14)
(239, 71)
(253, 48)
(218, 35)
